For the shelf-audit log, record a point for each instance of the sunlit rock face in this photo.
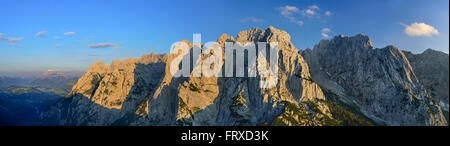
(106, 94)
(241, 101)
(144, 92)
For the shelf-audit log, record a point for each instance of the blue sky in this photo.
(37, 35)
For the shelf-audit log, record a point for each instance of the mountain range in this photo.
(22, 99)
(342, 81)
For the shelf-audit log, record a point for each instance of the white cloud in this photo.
(420, 29)
(324, 32)
(13, 41)
(57, 45)
(250, 19)
(69, 33)
(311, 11)
(41, 34)
(102, 45)
(1, 36)
(308, 12)
(288, 12)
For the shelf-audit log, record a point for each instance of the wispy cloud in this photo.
(13, 41)
(10, 40)
(324, 32)
(327, 13)
(94, 55)
(288, 12)
(299, 23)
(420, 29)
(102, 45)
(250, 19)
(69, 33)
(41, 34)
(314, 7)
(85, 40)
(57, 45)
(1, 36)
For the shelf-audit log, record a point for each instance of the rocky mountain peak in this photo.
(275, 35)
(270, 34)
(359, 41)
(97, 66)
(152, 58)
(225, 38)
(432, 52)
(252, 35)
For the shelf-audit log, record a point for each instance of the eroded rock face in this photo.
(381, 81)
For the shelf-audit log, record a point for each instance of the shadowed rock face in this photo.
(381, 81)
(431, 68)
(143, 92)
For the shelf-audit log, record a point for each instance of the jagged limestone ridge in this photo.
(116, 94)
